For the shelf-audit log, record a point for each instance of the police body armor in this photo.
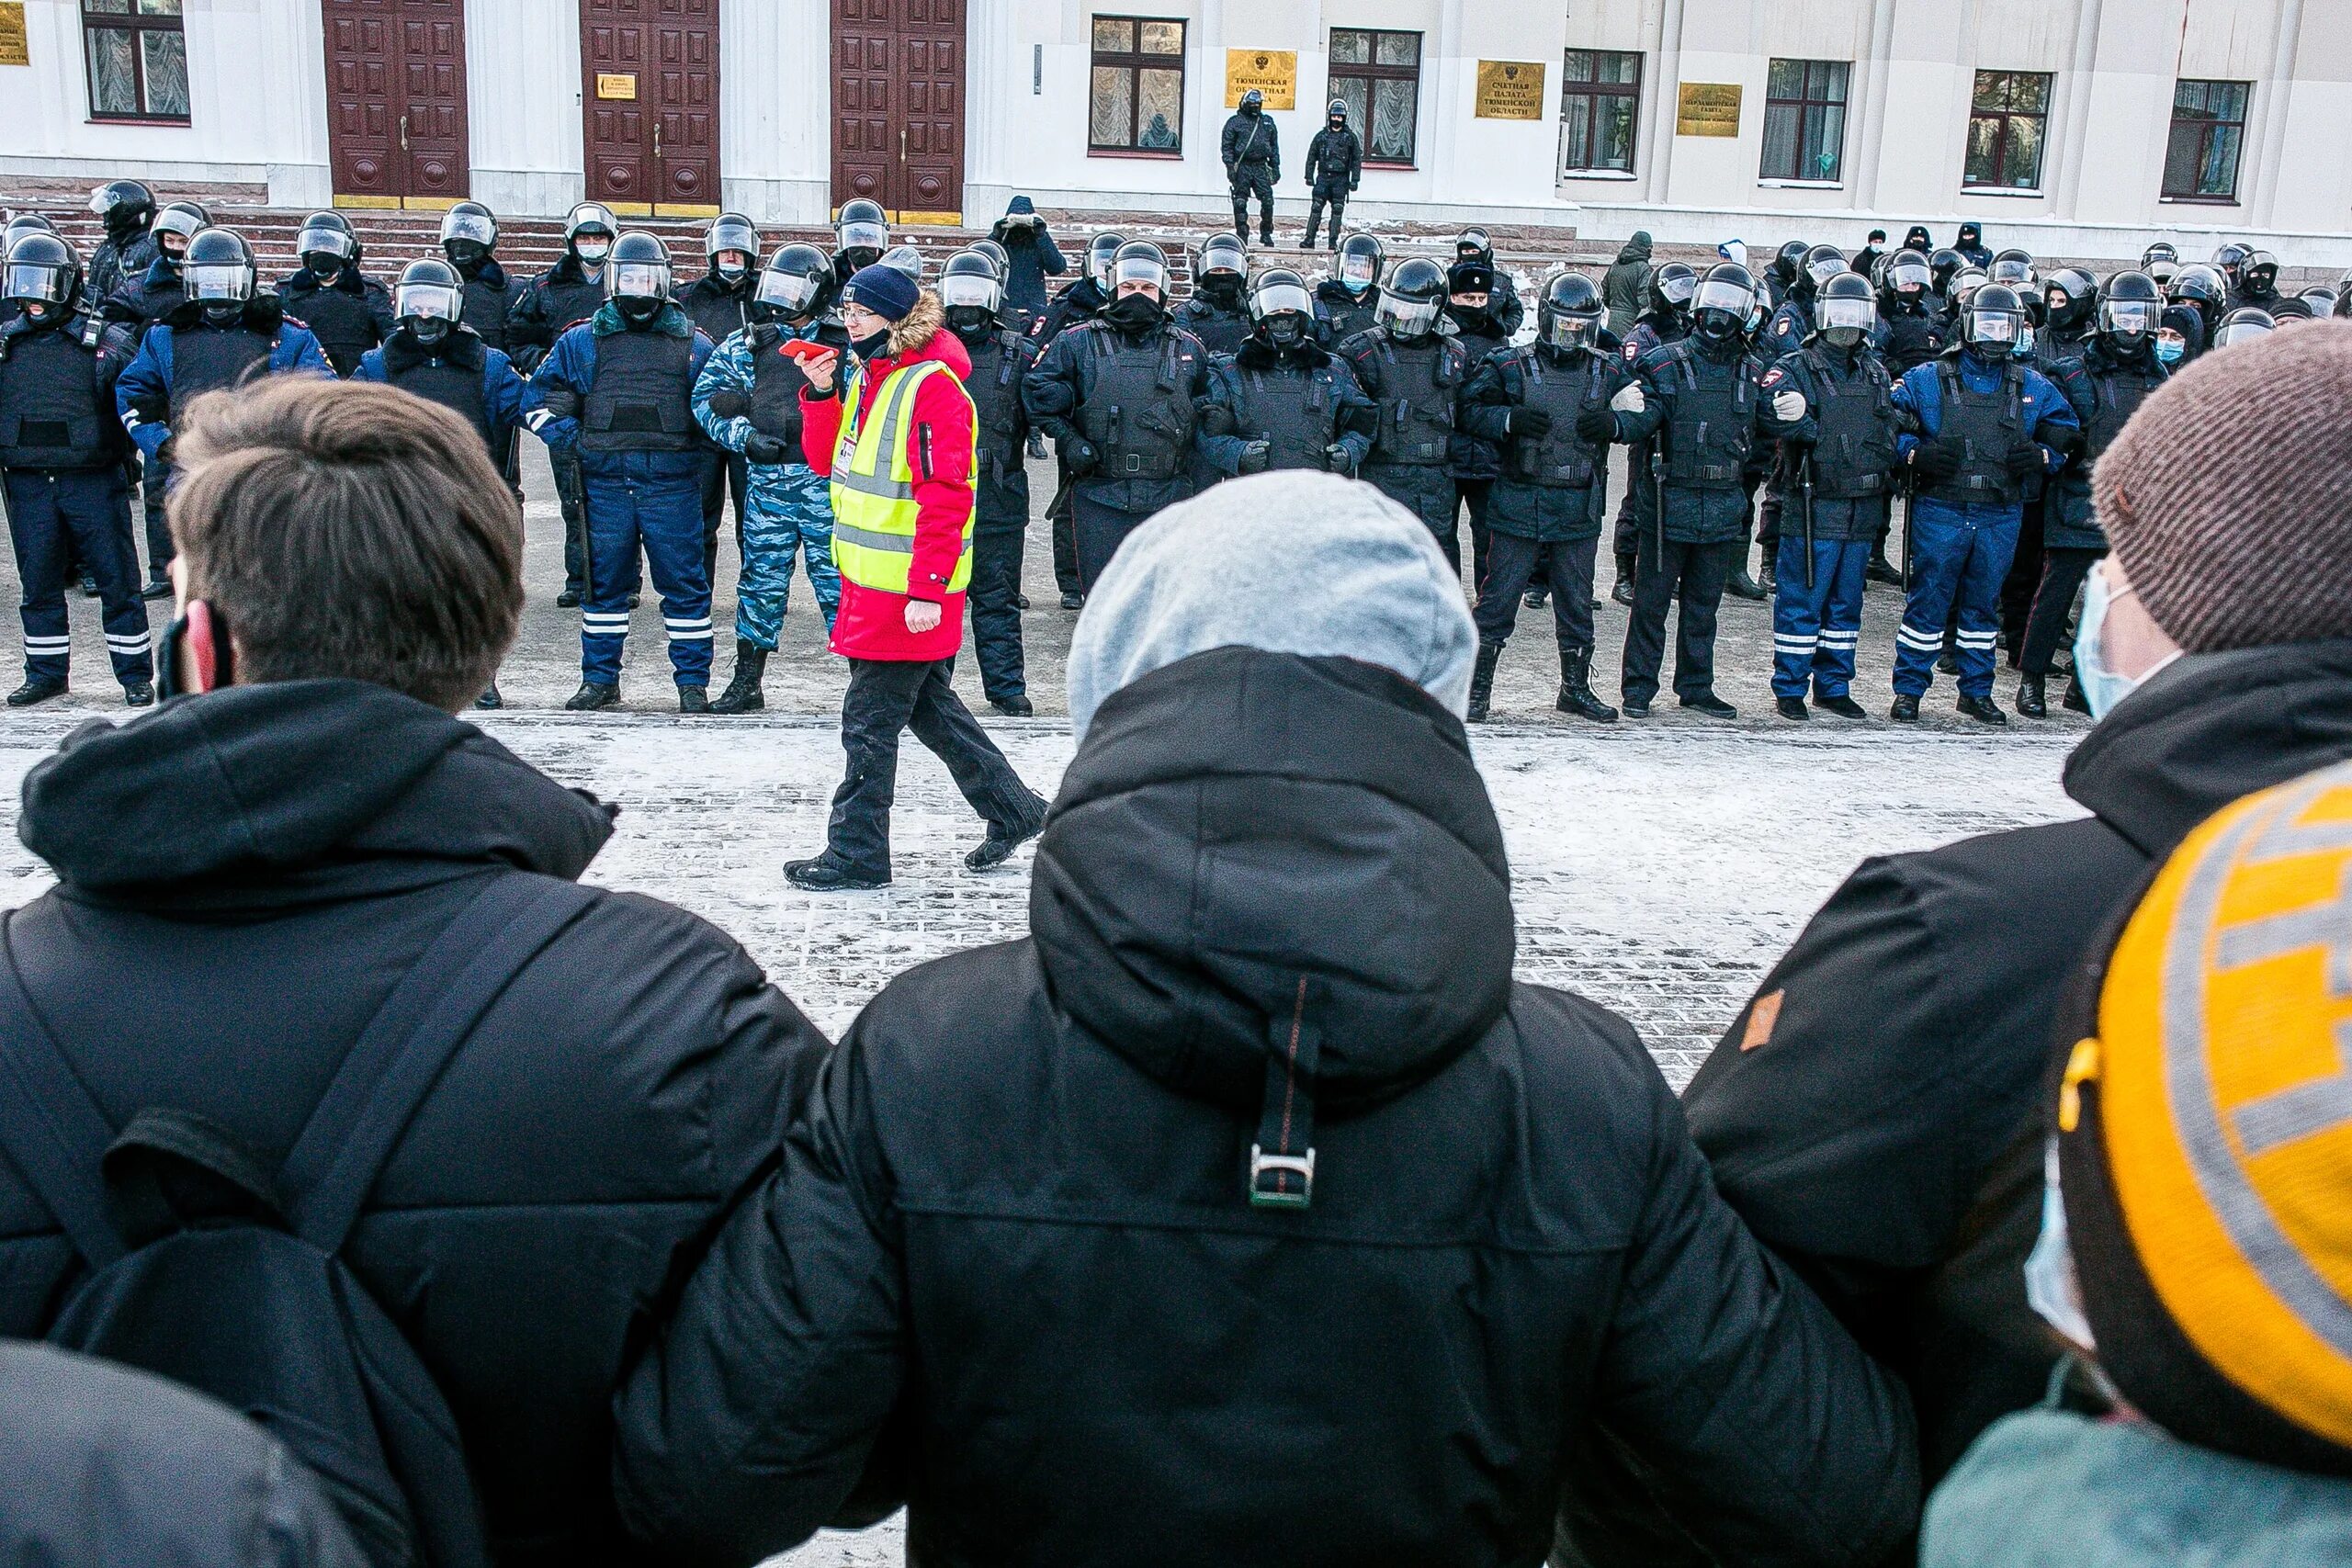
(205, 358)
(438, 379)
(1712, 434)
(1294, 415)
(776, 380)
(995, 387)
(50, 413)
(484, 310)
(1343, 318)
(1139, 412)
(637, 401)
(338, 320)
(1987, 425)
(718, 315)
(567, 303)
(1220, 331)
(2115, 398)
(1416, 389)
(1854, 455)
(1912, 339)
(1559, 459)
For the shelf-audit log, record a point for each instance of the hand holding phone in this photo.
(818, 363)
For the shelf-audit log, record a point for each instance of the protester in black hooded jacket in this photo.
(1010, 1271)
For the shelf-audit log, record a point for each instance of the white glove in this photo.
(1629, 400)
(1788, 407)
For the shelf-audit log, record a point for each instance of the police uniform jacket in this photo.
(1234, 401)
(564, 381)
(1061, 387)
(2104, 391)
(1843, 456)
(1520, 503)
(144, 393)
(500, 390)
(1920, 396)
(1683, 389)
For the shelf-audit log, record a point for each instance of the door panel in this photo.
(898, 107)
(396, 102)
(650, 84)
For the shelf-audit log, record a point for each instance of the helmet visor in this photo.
(219, 280)
(331, 241)
(1280, 296)
(1911, 274)
(470, 226)
(2245, 329)
(1678, 288)
(1994, 326)
(969, 288)
(178, 220)
(864, 236)
(426, 301)
(1356, 269)
(1406, 318)
(1574, 331)
(1721, 294)
(1139, 270)
(2012, 272)
(2132, 316)
(32, 280)
(642, 280)
(1859, 313)
(788, 291)
(732, 237)
(1822, 271)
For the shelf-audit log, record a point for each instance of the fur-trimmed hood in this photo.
(915, 328)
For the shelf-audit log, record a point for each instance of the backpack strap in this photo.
(375, 1092)
(50, 1128)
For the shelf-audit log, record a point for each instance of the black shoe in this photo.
(1984, 710)
(1711, 704)
(1073, 600)
(157, 588)
(1537, 598)
(138, 694)
(591, 695)
(1016, 706)
(1790, 707)
(568, 600)
(490, 697)
(1021, 601)
(2031, 704)
(2074, 701)
(995, 850)
(89, 586)
(826, 874)
(1882, 569)
(1843, 707)
(1905, 709)
(36, 689)
(743, 694)
(1743, 586)
(1482, 681)
(1576, 688)
(633, 599)
(1623, 591)
(1948, 662)
(693, 699)
(1305, 245)
(1635, 707)
(1766, 579)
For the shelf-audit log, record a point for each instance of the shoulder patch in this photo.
(1761, 1017)
(1633, 352)
(1775, 376)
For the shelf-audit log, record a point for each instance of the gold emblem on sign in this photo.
(616, 85)
(1273, 72)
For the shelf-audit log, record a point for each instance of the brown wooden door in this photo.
(649, 82)
(396, 102)
(898, 107)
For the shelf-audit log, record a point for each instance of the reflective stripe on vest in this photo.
(873, 484)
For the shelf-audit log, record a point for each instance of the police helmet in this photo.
(218, 271)
(996, 255)
(903, 258)
(1474, 243)
(1569, 313)
(1725, 302)
(1138, 261)
(41, 269)
(1360, 259)
(2231, 258)
(2343, 301)
(2244, 326)
(861, 234)
(428, 298)
(2130, 309)
(2261, 271)
(2323, 300)
(1099, 252)
(1280, 306)
(1337, 110)
(22, 224)
(1993, 319)
(731, 232)
(469, 224)
(588, 234)
(123, 203)
(1946, 263)
(1672, 287)
(1221, 253)
(1415, 296)
(2161, 261)
(1907, 270)
(637, 275)
(1823, 262)
(1788, 262)
(1964, 285)
(326, 242)
(2013, 268)
(2201, 285)
(2075, 293)
(1848, 310)
(969, 284)
(796, 282)
(1253, 99)
(181, 220)
(2296, 309)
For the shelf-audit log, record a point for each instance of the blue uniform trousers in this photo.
(1814, 629)
(55, 516)
(662, 515)
(1959, 557)
(789, 513)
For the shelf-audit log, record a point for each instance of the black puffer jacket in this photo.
(245, 877)
(1012, 1230)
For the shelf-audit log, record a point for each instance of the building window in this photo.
(1137, 101)
(2006, 121)
(2208, 128)
(1378, 76)
(138, 58)
(1804, 120)
(1600, 107)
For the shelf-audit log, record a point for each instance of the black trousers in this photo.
(1249, 180)
(1099, 531)
(1474, 496)
(1427, 491)
(2017, 588)
(716, 481)
(1700, 571)
(2062, 571)
(1511, 563)
(1339, 200)
(885, 697)
(996, 549)
(565, 461)
(153, 479)
(1061, 519)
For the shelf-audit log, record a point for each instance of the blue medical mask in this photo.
(2051, 1287)
(2169, 350)
(2102, 687)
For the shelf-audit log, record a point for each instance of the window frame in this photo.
(1801, 103)
(1372, 71)
(2205, 128)
(1597, 93)
(136, 22)
(2001, 141)
(1133, 63)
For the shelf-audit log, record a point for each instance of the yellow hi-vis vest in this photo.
(872, 483)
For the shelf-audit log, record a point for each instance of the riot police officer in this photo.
(748, 401)
(1252, 151)
(2069, 315)
(567, 292)
(1217, 312)
(1414, 376)
(1083, 298)
(1283, 401)
(1911, 332)
(618, 387)
(1792, 326)
(2161, 263)
(126, 208)
(1345, 301)
(1334, 167)
(1785, 273)
(470, 242)
(348, 312)
(1944, 265)
(1981, 422)
(151, 295)
(719, 305)
(1470, 321)
(2201, 290)
(2228, 260)
(2112, 373)
(2257, 282)
(62, 460)
(1549, 407)
(1121, 396)
(1001, 357)
(1700, 400)
(1503, 304)
(1831, 405)
(1666, 319)
(861, 235)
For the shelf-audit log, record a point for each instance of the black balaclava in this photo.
(1132, 315)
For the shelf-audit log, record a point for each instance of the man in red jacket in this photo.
(898, 443)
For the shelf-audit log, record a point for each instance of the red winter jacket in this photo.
(871, 622)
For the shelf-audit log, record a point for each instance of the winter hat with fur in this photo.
(1290, 562)
(2228, 498)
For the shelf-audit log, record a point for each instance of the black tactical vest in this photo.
(338, 320)
(1343, 318)
(720, 315)
(1559, 459)
(2116, 396)
(205, 358)
(1911, 340)
(638, 400)
(1219, 330)
(1712, 434)
(1292, 410)
(1986, 424)
(484, 310)
(995, 385)
(453, 386)
(1855, 453)
(1417, 393)
(776, 380)
(569, 302)
(49, 413)
(1139, 412)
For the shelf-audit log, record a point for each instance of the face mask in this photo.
(224, 314)
(428, 329)
(872, 344)
(732, 274)
(968, 321)
(1339, 125)
(1133, 312)
(466, 256)
(639, 311)
(1285, 330)
(2051, 1287)
(1843, 338)
(2170, 349)
(2102, 687)
(327, 268)
(591, 253)
(1223, 287)
(1467, 315)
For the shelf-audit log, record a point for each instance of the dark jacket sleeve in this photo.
(1485, 398)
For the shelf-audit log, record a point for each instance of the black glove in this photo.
(729, 404)
(1528, 422)
(1255, 455)
(1936, 461)
(2064, 439)
(1080, 457)
(1339, 460)
(1596, 427)
(761, 449)
(2023, 459)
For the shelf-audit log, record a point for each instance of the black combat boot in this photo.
(1623, 591)
(594, 694)
(2074, 701)
(1482, 679)
(1984, 710)
(1905, 709)
(1790, 708)
(1576, 688)
(742, 694)
(1741, 585)
(1709, 703)
(825, 874)
(693, 699)
(1882, 569)
(2030, 700)
(138, 693)
(37, 689)
(1842, 704)
(1014, 705)
(1765, 577)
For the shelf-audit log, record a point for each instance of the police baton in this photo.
(1805, 483)
(1657, 506)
